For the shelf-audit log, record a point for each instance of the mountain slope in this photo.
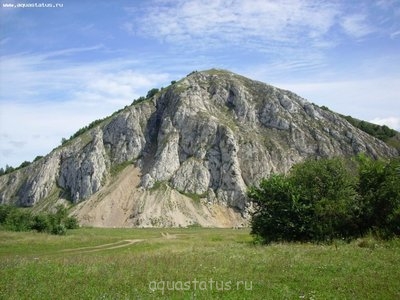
(202, 141)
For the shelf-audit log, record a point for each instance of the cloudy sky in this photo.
(64, 66)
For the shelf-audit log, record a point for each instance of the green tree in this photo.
(19, 220)
(71, 223)
(330, 188)
(38, 157)
(61, 219)
(5, 210)
(152, 92)
(379, 188)
(41, 223)
(24, 164)
(277, 208)
(317, 201)
(8, 169)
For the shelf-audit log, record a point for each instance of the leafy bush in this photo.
(41, 223)
(24, 164)
(38, 157)
(329, 188)
(278, 211)
(71, 223)
(18, 219)
(152, 92)
(7, 170)
(321, 200)
(4, 212)
(379, 187)
(59, 229)
(139, 100)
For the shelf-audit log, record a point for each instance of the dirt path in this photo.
(116, 245)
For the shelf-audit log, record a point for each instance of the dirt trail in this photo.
(116, 245)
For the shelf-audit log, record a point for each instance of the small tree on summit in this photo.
(152, 92)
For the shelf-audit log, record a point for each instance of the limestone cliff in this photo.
(205, 138)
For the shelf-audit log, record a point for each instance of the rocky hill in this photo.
(186, 155)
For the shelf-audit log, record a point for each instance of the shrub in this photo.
(59, 229)
(321, 200)
(328, 187)
(139, 100)
(152, 92)
(41, 223)
(17, 219)
(38, 157)
(71, 223)
(24, 164)
(277, 215)
(379, 188)
(4, 212)
(9, 169)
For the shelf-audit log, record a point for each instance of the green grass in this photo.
(36, 266)
(195, 197)
(159, 185)
(118, 168)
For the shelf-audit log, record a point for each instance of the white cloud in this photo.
(395, 34)
(293, 33)
(356, 25)
(213, 23)
(43, 99)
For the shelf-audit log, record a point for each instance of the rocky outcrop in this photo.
(82, 173)
(211, 134)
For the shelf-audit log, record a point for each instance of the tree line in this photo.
(9, 169)
(22, 219)
(381, 132)
(327, 199)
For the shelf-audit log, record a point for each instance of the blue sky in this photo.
(65, 66)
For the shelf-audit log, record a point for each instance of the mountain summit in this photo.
(186, 154)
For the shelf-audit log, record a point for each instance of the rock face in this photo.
(208, 136)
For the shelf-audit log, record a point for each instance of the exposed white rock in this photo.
(82, 173)
(213, 134)
(192, 177)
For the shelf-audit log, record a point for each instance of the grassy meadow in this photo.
(192, 263)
